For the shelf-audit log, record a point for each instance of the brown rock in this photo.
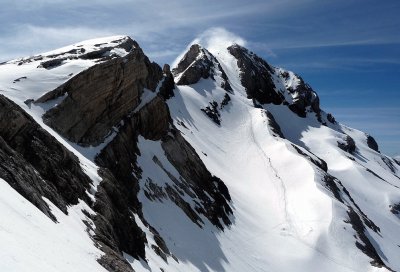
(199, 63)
(255, 76)
(35, 164)
(100, 96)
(168, 85)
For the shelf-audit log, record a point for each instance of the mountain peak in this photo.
(199, 63)
(212, 173)
(195, 51)
(99, 49)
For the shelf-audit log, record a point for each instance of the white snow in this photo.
(29, 81)
(284, 218)
(31, 242)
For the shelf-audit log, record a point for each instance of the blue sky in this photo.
(347, 50)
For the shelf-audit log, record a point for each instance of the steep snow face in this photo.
(30, 241)
(290, 214)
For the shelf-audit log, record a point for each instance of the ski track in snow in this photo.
(328, 257)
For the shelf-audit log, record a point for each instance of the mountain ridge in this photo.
(169, 166)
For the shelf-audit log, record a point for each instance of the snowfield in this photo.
(285, 217)
(30, 241)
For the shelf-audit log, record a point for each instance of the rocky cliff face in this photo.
(199, 63)
(100, 96)
(36, 165)
(259, 79)
(256, 76)
(119, 199)
(128, 93)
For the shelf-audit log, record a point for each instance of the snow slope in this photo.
(30, 240)
(286, 215)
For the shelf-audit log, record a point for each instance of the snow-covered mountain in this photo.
(111, 163)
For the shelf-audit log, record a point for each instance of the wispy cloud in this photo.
(267, 24)
(330, 93)
(153, 23)
(214, 39)
(333, 43)
(30, 39)
(341, 63)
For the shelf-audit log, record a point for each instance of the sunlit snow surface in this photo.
(283, 219)
(30, 241)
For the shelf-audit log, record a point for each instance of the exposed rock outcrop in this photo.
(395, 209)
(168, 84)
(256, 76)
(306, 98)
(372, 143)
(303, 96)
(212, 112)
(117, 194)
(195, 64)
(35, 164)
(199, 63)
(210, 190)
(390, 164)
(330, 118)
(106, 95)
(358, 220)
(347, 145)
(24, 178)
(274, 126)
(312, 158)
(149, 170)
(100, 96)
(120, 157)
(225, 100)
(116, 229)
